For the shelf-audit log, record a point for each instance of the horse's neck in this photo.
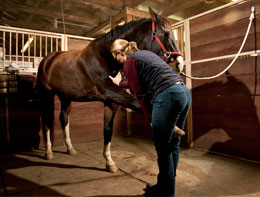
(138, 35)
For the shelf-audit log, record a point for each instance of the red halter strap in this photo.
(167, 54)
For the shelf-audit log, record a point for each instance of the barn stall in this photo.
(224, 118)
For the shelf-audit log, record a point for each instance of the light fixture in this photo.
(209, 1)
(27, 44)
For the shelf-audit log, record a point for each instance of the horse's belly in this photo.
(73, 84)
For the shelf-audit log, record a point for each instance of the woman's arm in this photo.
(131, 73)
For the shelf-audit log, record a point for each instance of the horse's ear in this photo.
(154, 15)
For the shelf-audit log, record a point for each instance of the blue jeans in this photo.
(170, 108)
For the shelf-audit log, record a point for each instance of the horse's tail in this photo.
(42, 81)
(43, 89)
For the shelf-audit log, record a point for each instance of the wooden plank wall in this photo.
(226, 110)
(86, 122)
(19, 114)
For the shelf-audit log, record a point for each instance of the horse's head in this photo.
(162, 40)
(153, 34)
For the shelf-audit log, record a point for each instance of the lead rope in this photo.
(242, 45)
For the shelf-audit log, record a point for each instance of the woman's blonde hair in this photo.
(123, 45)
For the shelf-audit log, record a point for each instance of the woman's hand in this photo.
(116, 80)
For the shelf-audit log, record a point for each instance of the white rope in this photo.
(242, 45)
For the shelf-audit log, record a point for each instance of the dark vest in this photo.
(155, 75)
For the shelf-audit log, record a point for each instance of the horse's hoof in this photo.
(48, 155)
(111, 168)
(72, 151)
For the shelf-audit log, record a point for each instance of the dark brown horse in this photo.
(83, 76)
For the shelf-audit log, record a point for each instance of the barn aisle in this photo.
(199, 174)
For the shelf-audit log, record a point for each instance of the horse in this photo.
(83, 76)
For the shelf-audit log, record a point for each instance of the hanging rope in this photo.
(238, 53)
(62, 13)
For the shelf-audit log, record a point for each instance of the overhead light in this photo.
(27, 44)
(209, 1)
(234, 0)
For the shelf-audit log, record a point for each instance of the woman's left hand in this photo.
(116, 80)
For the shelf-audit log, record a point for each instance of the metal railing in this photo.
(26, 47)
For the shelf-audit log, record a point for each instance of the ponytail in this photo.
(123, 45)
(132, 47)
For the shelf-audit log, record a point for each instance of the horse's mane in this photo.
(119, 30)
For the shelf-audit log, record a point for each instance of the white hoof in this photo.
(49, 155)
(72, 151)
(111, 168)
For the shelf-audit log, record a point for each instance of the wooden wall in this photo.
(226, 110)
(19, 114)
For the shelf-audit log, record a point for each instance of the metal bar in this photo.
(22, 30)
(46, 51)
(51, 45)
(16, 48)
(10, 47)
(29, 51)
(22, 50)
(34, 49)
(57, 44)
(40, 46)
(46, 45)
(80, 37)
(4, 46)
(248, 53)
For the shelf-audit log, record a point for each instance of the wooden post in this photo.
(64, 42)
(188, 80)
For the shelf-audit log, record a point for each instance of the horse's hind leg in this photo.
(47, 117)
(64, 121)
(110, 111)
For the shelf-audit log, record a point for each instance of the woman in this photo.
(151, 79)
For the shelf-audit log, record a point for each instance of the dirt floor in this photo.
(84, 174)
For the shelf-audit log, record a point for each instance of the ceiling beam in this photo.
(143, 14)
(51, 14)
(40, 27)
(127, 11)
(174, 7)
(105, 24)
(115, 4)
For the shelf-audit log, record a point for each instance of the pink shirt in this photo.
(133, 83)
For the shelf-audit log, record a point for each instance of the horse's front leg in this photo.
(64, 121)
(109, 115)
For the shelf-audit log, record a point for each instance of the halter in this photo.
(167, 54)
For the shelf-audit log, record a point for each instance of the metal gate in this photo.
(27, 47)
